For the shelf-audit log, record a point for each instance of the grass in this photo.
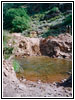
(6, 56)
(54, 18)
(16, 66)
(5, 38)
(7, 51)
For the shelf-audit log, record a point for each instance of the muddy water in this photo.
(43, 68)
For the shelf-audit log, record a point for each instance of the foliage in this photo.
(54, 31)
(7, 51)
(20, 24)
(7, 6)
(6, 56)
(16, 16)
(5, 37)
(68, 20)
(54, 9)
(48, 33)
(54, 18)
(49, 14)
(16, 66)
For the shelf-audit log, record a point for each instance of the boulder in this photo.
(60, 46)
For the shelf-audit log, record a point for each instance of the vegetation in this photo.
(16, 19)
(20, 24)
(5, 38)
(68, 20)
(54, 9)
(7, 51)
(50, 33)
(16, 66)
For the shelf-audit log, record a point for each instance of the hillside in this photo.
(45, 19)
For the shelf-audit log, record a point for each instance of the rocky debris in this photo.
(60, 46)
(33, 33)
(25, 46)
(12, 87)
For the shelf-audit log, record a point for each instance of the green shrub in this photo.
(20, 24)
(16, 16)
(7, 50)
(54, 9)
(16, 66)
(51, 32)
(68, 20)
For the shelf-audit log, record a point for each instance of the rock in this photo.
(54, 83)
(22, 86)
(39, 81)
(60, 46)
(33, 34)
(24, 80)
(5, 74)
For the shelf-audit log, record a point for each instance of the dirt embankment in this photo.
(60, 46)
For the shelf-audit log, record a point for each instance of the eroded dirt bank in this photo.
(12, 87)
(60, 46)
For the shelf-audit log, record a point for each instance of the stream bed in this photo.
(43, 68)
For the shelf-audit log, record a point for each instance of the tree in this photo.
(16, 16)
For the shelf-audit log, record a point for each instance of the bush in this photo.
(54, 9)
(68, 20)
(20, 24)
(16, 16)
(7, 51)
(48, 33)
